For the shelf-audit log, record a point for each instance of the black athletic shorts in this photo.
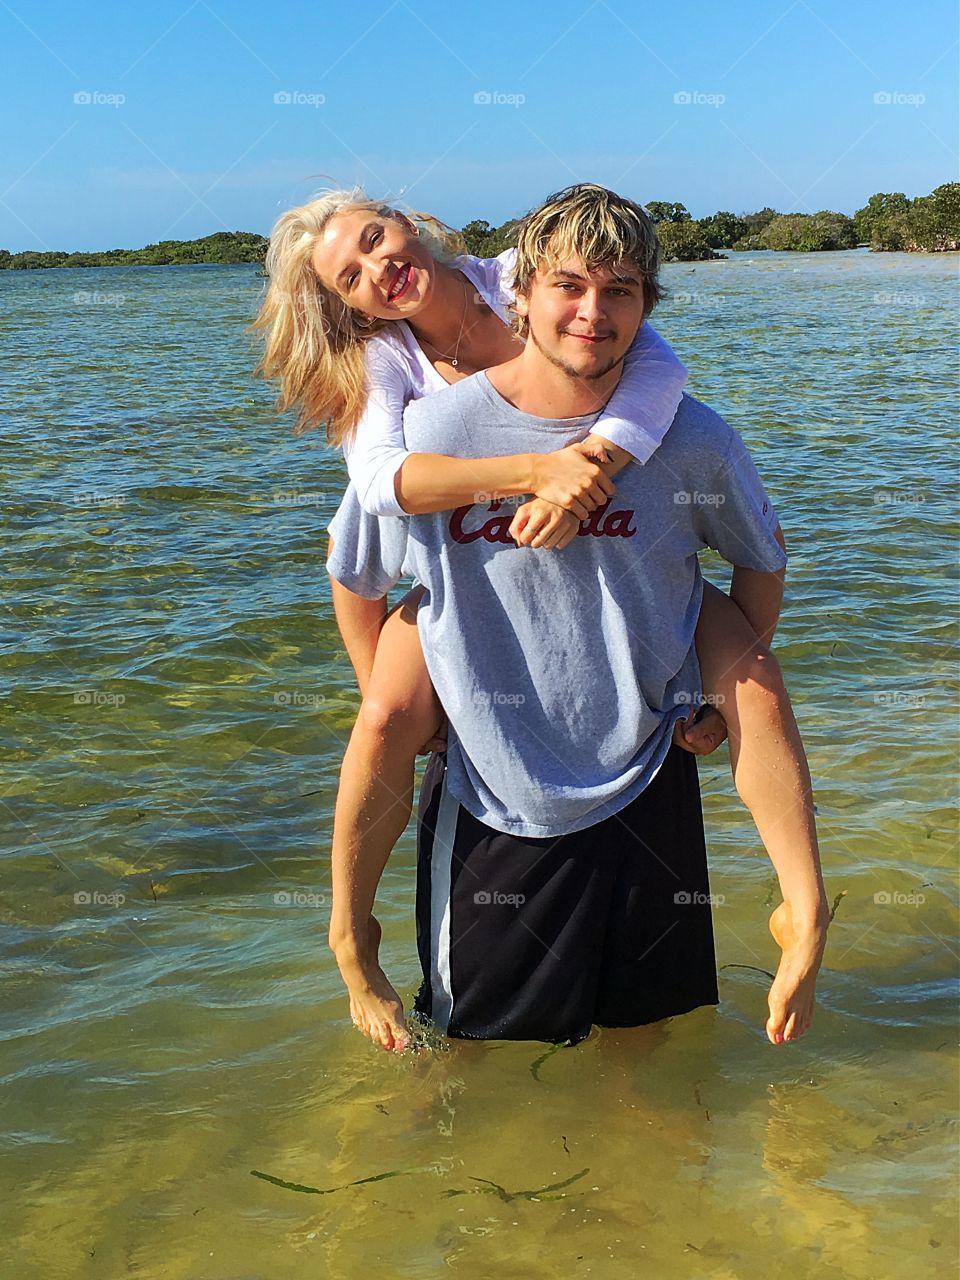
(538, 939)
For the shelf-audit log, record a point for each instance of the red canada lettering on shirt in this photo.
(494, 530)
(602, 523)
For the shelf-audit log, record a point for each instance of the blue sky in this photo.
(127, 124)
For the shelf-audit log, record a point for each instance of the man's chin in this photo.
(593, 367)
(590, 365)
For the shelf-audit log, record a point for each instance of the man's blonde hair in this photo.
(594, 224)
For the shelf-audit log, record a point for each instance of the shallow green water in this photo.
(176, 704)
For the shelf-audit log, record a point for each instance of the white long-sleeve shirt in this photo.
(636, 417)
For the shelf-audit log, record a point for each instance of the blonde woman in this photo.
(368, 308)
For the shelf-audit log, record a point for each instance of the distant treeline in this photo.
(222, 247)
(888, 221)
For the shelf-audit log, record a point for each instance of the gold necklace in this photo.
(454, 361)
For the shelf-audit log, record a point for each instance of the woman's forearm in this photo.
(359, 621)
(616, 457)
(429, 482)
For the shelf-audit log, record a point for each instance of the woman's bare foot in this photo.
(375, 1006)
(793, 993)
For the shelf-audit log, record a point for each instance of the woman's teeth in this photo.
(400, 283)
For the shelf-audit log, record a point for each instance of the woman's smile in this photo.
(401, 282)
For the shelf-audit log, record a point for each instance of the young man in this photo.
(562, 877)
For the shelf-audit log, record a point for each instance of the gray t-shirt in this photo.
(562, 672)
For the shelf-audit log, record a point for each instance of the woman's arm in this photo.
(569, 477)
(645, 400)
(390, 480)
(377, 449)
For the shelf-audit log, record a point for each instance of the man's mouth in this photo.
(401, 282)
(590, 337)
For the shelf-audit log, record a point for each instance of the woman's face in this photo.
(376, 264)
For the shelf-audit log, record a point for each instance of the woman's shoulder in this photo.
(386, 355)
(493, 269)
(492, 276)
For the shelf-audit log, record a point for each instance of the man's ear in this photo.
(521, 305)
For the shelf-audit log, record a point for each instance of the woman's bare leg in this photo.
(742, 679)
(399, 714)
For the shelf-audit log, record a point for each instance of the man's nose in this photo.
(591, 305)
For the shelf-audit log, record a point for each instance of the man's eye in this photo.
(352, 280)
(377, 235)
(567, 286)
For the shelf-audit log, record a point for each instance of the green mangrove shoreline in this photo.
(889, 221)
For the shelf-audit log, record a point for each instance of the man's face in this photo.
(584, 322)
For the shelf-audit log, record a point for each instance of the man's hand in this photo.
(543, 524)
(439, 740)
(700, 734)
(569, 479)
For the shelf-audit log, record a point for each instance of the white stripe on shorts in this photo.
(441, 860)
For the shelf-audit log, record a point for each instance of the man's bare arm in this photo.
(760, 595)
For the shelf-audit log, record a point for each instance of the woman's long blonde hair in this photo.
(313, 340)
